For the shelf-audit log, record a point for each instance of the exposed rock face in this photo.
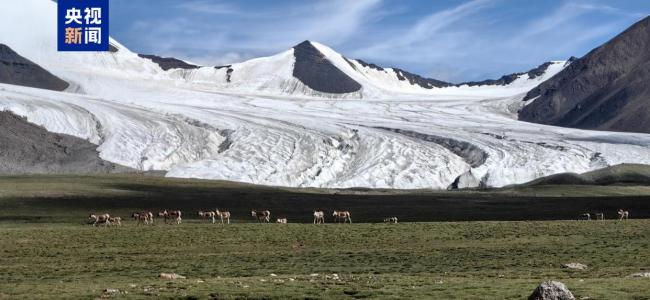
(167, 63)
(29, 149)
(365, 64)
(551, 290)
(314, 70)
(414, 79)
(112, 48)
(607, 89)
(15, 69)
(465, 180)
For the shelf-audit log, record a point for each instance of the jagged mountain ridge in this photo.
(317, 72)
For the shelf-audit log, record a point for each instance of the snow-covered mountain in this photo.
(313, 69)
(305, 117)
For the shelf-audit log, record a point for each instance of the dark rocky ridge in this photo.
(15, 69)
(508, 79)
(369, 65)
(314, 70)
(429, 83)
(30, 149)
(167, 63)
(607, 89)
(402, 75)
(112, 48)
(414, 79)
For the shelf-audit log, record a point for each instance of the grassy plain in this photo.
(46, 251)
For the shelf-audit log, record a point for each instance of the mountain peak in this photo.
(316, 71)
(303, 43)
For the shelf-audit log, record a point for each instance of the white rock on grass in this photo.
(551, 290)
(111, 291)
(171, 276)
(575, 266)
(640, 275)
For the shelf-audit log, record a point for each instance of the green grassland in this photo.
(461, 260)
(48, 252)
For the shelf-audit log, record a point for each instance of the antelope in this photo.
(623, 214)
(100, 219)
(319, 217)
(223, 215)
(174, 215)
(599, 216)
(116, 221)
(391, 220)
(144, 218)
(281, 221)
(585, 216)
(150, 216)
(261, 216)
(342, 215)
(207, 215)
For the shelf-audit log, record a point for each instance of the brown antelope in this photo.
(172, 215)
(261, 215)
(585, 216)
(281, 221)
(207, 215)
(223, 215)
(319, 217)
(623, 214)
(342, 215)
(144, 218)
(599, 216)
(115, 221)
(103, 219)
(391, 220)
(150, 216)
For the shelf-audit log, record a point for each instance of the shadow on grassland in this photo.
(297, 204)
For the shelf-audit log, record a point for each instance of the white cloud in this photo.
(209, 7)
(460, 43)
(249, 32)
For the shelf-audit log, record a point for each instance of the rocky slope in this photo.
(29, 149)
(607, 89)
(15, 69)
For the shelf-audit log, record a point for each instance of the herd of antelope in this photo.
(622, 215)
(175, 217)
(264, 216)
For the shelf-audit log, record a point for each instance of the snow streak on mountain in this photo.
(306, 117)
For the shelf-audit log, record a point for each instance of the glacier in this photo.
(255, 122)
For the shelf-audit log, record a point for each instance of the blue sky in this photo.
(453, 40)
